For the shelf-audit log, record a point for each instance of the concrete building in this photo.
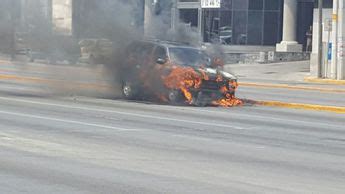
(9, 19)
(283, 23)
(251, 22)
(279, 23)
(95, 19)
(62, 16)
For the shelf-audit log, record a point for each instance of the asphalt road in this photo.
(71, 144)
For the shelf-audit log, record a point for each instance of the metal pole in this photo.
(341, 61)
(13, 30)
(334, 40)
(327, 65)
(173, 15)
(200, 23)
(147, 17)
(320, 46)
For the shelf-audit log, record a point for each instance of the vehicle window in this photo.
(189, 57)
(160, 52)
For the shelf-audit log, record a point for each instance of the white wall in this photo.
(62, 17)
(326, 15)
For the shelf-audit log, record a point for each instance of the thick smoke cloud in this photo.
(120, 21)
(162, 27)
(126, 24)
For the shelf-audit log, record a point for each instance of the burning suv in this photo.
(176, 73)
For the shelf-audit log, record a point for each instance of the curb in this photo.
(5, 61)
(13, 77)
(285, 86)
(314, 107)
(51, 81)
(324, 81)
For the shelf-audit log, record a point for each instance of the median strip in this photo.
(285, 86)
(324, 81)
(6, 62)
(315, 107)
(51, 81)
(17, 78)
(334, 109)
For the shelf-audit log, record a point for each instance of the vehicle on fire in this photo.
(176, 73)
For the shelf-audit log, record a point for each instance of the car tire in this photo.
(129, 92)
(175, 97)
(199, 102)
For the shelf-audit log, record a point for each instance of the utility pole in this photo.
(340, 62)
(335, 20)
(320, 43)
(13, 29)
(50, 15)
(148, 17)
(174, 14)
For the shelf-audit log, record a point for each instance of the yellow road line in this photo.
(13, 77)
(334, 109)
(104, 86)
(51, 81)
(5, 61)
(285, 86)
(324, 81)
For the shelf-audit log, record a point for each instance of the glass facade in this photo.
(243, 22)
(326, 3)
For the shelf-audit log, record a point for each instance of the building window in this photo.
(326, 3)
(189, 0)
(189, 16)
(271, 27)
(251, 22)
(240, 27)
(226, 4)
(273, 5)
(255, 27)
(240, 4)
(256, 4)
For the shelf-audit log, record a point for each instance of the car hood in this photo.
(213, 73)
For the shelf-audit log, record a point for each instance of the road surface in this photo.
(73, 144)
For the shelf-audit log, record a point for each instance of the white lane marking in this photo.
(6, 138)
(66, 121)
(122, 113)
(232, 126)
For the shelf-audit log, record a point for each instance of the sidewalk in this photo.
(285, 75)
(286, 85)
(294, 74)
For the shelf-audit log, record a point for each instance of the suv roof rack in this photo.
(168, 41)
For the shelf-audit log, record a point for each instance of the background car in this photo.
(96, 51)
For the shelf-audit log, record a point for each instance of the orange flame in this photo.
(229, 100)
(186, 78)
(183, 78)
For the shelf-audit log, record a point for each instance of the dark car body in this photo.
(152, 68)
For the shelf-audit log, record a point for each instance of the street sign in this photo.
(328, 25)
(329, 53)
(210, 3)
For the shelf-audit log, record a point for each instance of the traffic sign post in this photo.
(205, 4)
